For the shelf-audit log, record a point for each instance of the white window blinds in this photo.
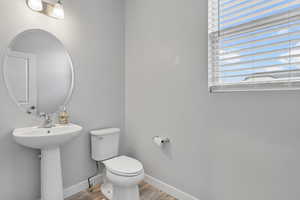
(254, 45)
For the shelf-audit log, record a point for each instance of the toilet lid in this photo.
(124, 165)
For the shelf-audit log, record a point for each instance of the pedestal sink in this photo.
(49, 141)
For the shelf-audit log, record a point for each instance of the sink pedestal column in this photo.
(51, 175)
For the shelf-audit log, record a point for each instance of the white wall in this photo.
(93, 34)
(232, 146)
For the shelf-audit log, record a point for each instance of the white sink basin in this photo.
(40, 138)
(49, 141)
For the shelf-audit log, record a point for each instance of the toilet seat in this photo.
(124, 166)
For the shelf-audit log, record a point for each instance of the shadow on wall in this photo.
(167, 150)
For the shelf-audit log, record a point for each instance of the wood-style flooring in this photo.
(147, 192)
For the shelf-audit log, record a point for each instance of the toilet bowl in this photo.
(123, 173)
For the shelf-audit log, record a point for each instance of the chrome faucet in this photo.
(47, 121)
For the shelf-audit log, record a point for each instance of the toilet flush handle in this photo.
(99, 137)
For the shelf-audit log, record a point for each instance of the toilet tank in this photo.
(105, 143)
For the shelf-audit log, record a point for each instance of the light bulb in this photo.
(36, 5)
(58, 11)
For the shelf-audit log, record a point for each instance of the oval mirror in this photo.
(38, 72)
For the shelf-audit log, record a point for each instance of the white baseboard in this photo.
(83, 185)
(169, 189)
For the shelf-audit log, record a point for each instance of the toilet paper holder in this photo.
(160, 140)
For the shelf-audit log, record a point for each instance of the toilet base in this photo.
(120, 193)
(107, 190)
(127, 193)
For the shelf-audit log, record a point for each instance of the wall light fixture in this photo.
(52, 10)
(35, 5)
(58, 10)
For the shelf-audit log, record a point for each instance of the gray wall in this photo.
(232, 146)
(93, 34)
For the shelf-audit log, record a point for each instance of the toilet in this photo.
(123, 173)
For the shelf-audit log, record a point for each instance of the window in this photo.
(254, 45)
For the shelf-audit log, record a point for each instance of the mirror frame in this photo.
(4, 72)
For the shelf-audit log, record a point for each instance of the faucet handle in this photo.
(42, 114)
(46, 116)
